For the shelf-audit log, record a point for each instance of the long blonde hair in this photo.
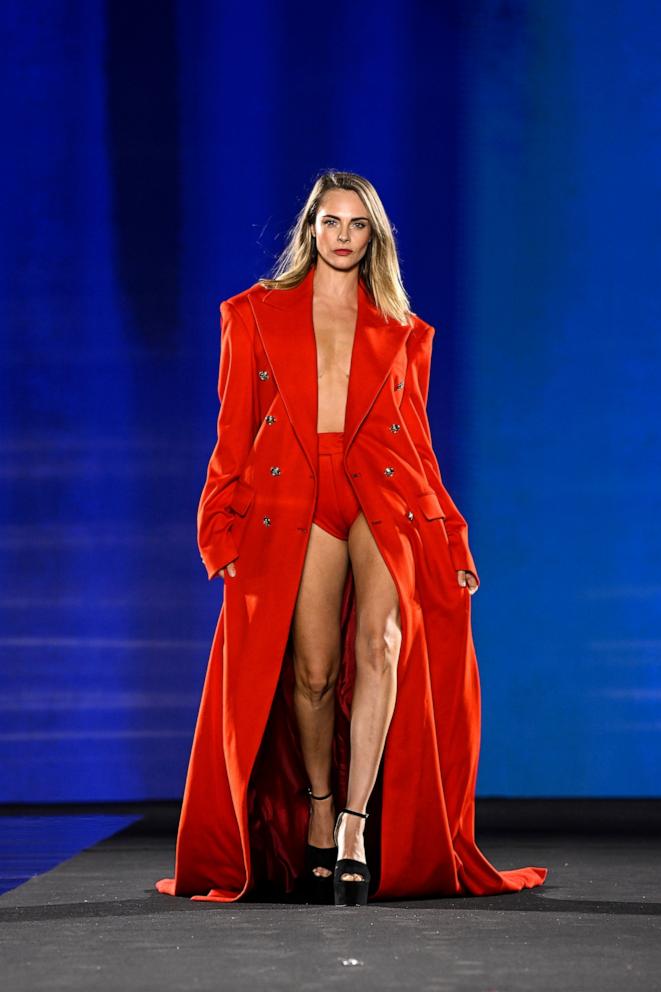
(379, 266)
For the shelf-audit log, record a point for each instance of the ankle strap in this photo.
(312, 795)
(339, 818)
(355, 812)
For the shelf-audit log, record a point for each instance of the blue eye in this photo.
(331, 220)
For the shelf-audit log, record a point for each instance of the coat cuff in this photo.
(461, 555)
(219, 554)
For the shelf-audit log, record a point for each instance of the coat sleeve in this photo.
(237, 425)
(414, 410)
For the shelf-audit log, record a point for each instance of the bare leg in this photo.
(378, 642)
(316, 649)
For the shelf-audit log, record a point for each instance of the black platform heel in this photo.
(319, 888)
(350, 892)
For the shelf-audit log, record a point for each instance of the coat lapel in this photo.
(284, 322)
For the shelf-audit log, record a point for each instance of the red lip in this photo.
(342, 251)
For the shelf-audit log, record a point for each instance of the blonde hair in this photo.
(379, 266)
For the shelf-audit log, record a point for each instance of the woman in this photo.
(343, 667)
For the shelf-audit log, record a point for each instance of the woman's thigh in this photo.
(377, 601)
(316, 622)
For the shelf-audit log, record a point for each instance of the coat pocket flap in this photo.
(431, 505)
(242, 497)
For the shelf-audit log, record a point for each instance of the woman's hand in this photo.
(467, 579)
(230, 569)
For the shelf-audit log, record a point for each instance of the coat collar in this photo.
(284, 322)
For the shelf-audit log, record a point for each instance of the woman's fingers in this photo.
(467, 580)
(231, 571)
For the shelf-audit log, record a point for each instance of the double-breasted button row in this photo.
(389, 470)
(399, 385)
(276, 470)
(269, 419)
(263, 374)
(394, 428)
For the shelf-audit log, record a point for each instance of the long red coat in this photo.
(245, 813)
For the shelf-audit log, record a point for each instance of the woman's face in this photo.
(342, 224)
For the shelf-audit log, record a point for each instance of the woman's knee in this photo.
(315, 678)
(378, 641)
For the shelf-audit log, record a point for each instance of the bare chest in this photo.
(334, 332)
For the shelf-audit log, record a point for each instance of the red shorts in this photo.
(337, 506)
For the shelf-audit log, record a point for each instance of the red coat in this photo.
(244, 814)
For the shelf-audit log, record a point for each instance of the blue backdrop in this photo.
(155, 155)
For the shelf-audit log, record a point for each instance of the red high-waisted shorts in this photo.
(337, 506)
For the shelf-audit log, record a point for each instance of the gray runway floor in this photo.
(96, 923)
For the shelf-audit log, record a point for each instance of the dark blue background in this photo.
(154, 157)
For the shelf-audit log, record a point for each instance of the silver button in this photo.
(399, 385)
(389, 470)
(266, 521)
(275, 470)
(410, 514)
(270, 419)
(395, 427)
(263, 374)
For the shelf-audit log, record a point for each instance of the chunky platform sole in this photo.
(350, 892)
(319, 888)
